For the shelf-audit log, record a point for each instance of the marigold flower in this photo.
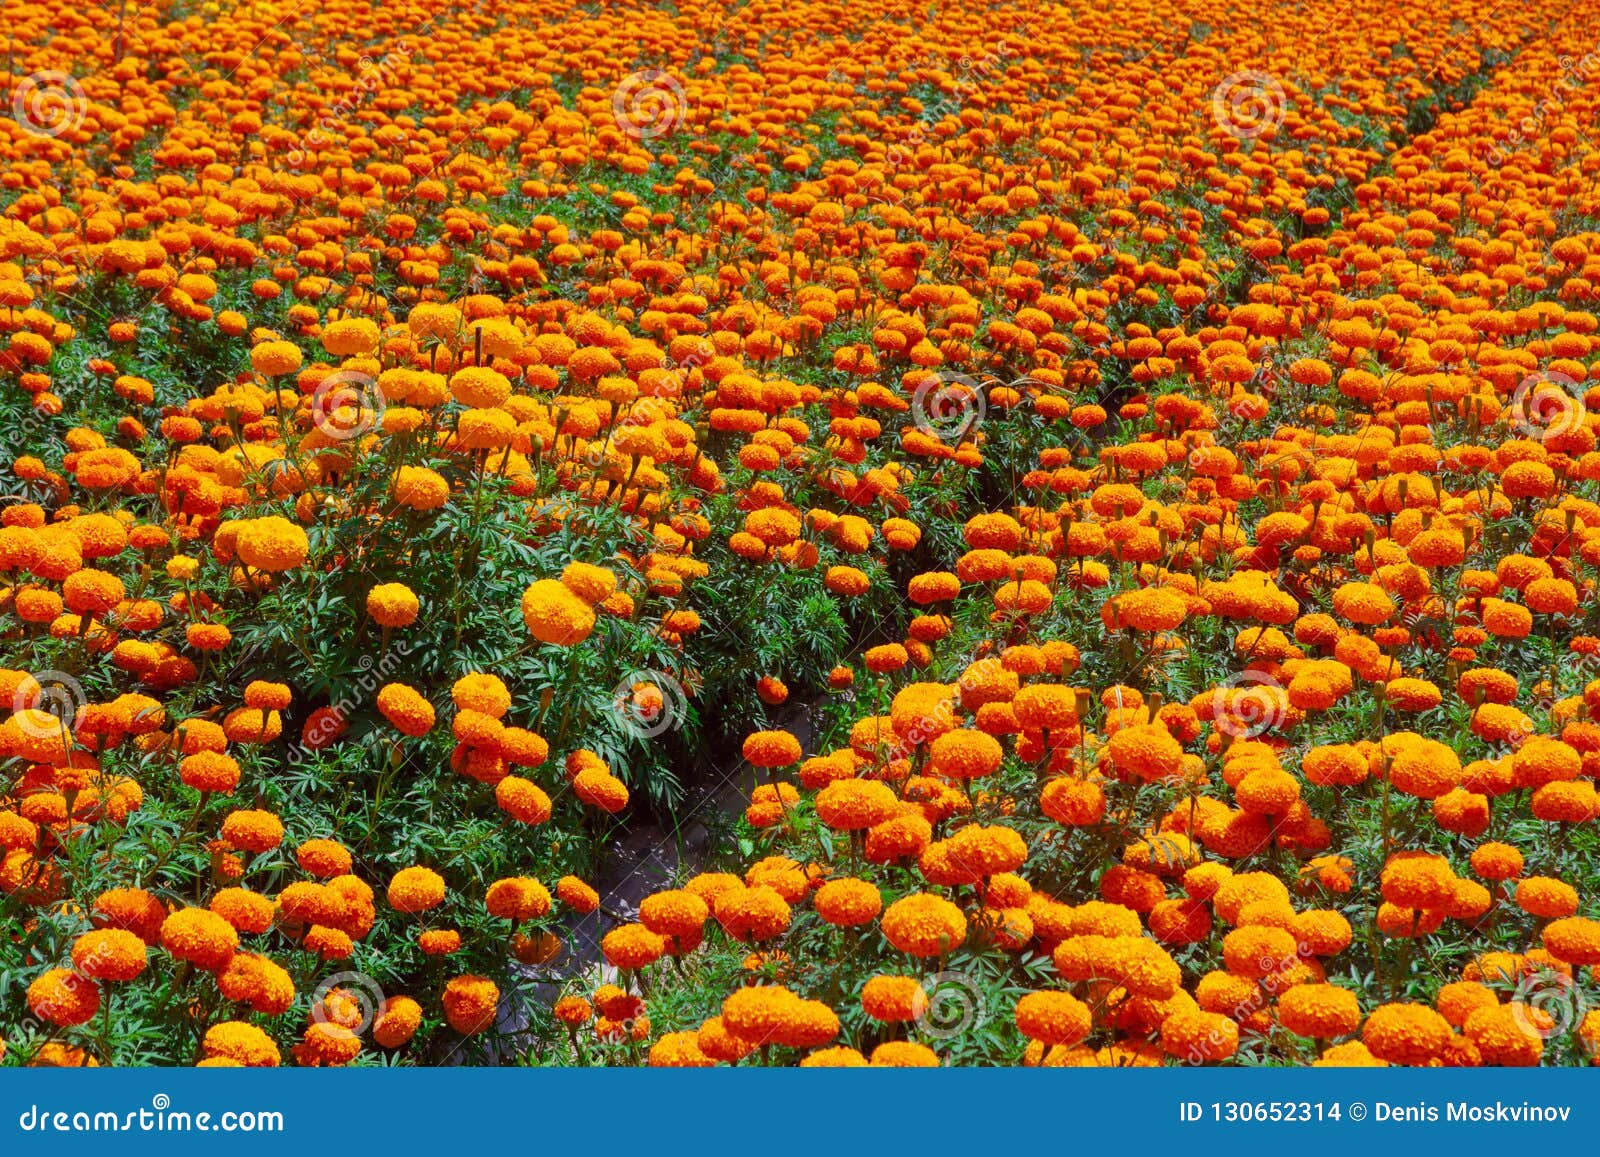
(393, 605)
(903, 1055)
(1406, 1034)
(396, 1022)
(242, 1043)
(1198, 1037)
(253, 830)
(408, 711)
(965, 754)
(1546, 897)
(470, 1003)
(1574, 940)
(924, 925)
(201, 937)
(854, 804)
(108, 954)
(577, 895)
(555, 615)
(247, 911)
(848, 902)
(416, 889)
(772, 749)
(632, 946)
(1056, 1018)
(517, 898)
(600, 789)
(63, 998)
(674, 913)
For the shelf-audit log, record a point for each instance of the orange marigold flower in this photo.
(407, 710)
(903, 1055)
(393, 605)
(1406, 1034)
(924, 925)
(242, 1043)
(470, 1003)
(632, 946)
(848, 902)
(576, 894)
(201, 937)
(554, 615)
(853, 804)
(1056, 1018)
(1319, 1010)
(396, 1022)
(63, 998)
(416, 889)
(772, 749)
(1574, 940)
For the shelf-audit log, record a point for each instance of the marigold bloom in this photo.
(470, 1003)
(109, 954)
(416, 889)
(393, 605)
(396, 1022)
(1319, 1010)
(1198, 1037)
(201, 937)
(848, 902)
(63, 998)
(772, 749)
(854, 804)
(924, 925)
(903, 1055)
(632, 946)
(1056, 1018)
(407, 710)
(555, 615)
(517, 898)
(243, 1043)
(1406, 1034)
